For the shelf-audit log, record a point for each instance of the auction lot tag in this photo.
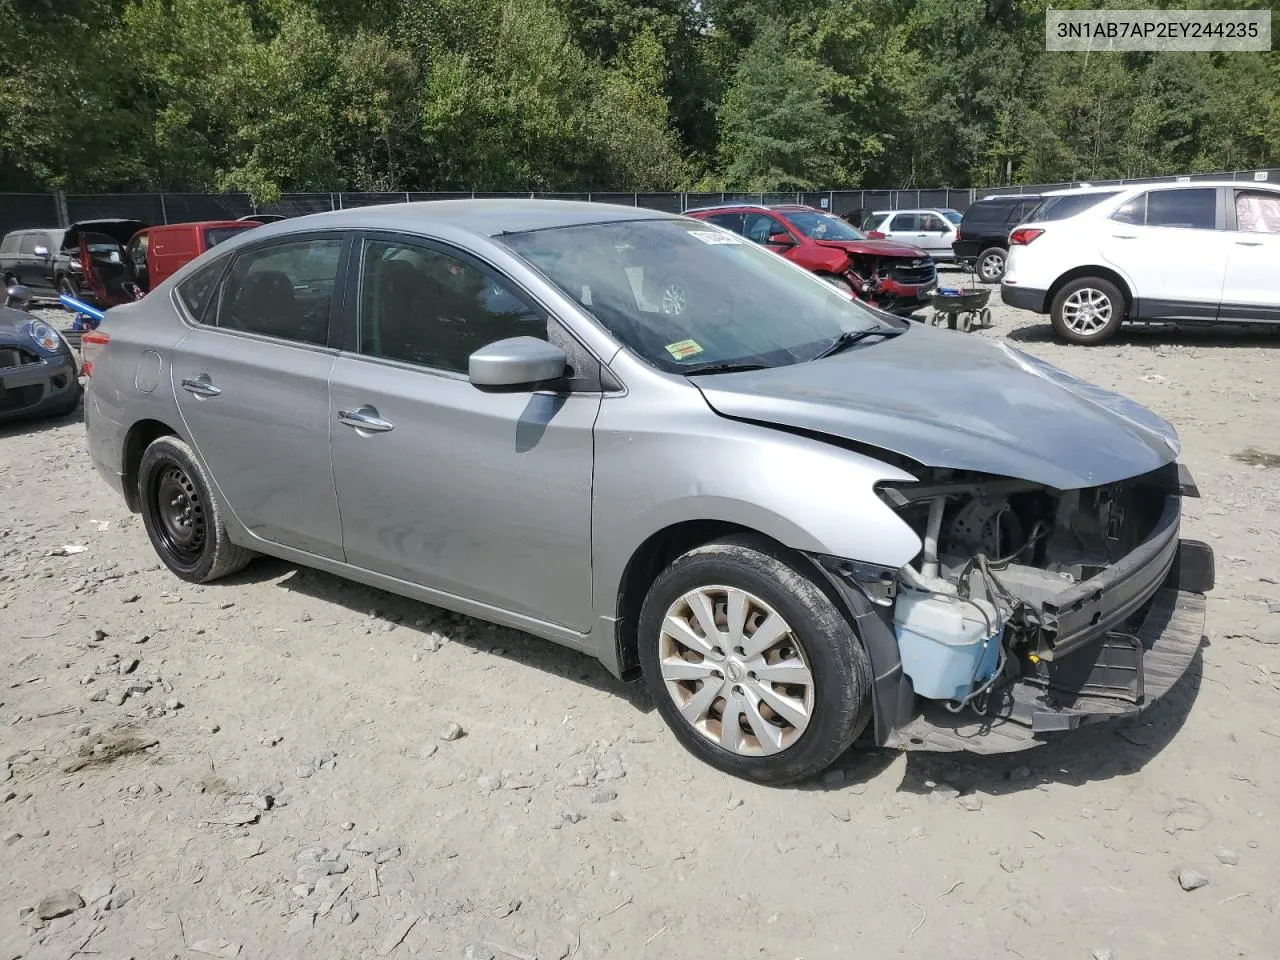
(683, 349)
(715, 236)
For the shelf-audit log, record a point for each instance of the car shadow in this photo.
(19, 428)
(1142, 335)
(1098, 752)
(420, 620)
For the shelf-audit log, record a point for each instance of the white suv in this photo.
(1093, 258)
(933, 230)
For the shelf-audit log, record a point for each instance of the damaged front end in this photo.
(1029, 610)
(896, 284)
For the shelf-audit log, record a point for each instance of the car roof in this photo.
(487, 217)
(1163, 185)
(885, 213)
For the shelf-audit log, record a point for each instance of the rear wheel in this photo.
(1088, 310)
(991, 263)
(182, 517)
(751, 664)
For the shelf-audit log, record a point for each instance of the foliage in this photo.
(563, 95)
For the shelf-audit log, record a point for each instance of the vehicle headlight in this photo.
(45, 336)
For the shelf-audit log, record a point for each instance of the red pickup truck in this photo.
(125, 259)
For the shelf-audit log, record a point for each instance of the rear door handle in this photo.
(1125, 236)
(365, 419)
(201, 386)
(1248, 243)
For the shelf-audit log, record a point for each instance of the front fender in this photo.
(806, 494)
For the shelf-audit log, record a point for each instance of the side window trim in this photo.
(349, 341)
(336, 302)
(187, 316)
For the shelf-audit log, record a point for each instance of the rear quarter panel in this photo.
(130, 381)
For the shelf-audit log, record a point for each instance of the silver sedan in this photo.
(799, 520)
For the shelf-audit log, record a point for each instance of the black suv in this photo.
(982, 239)
(35, 259)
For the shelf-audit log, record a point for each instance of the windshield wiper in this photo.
(850, 337)
(729, 367)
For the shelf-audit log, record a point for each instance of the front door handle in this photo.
(1125, 236)
(201, 386)
(1248, 243)
(365, 419)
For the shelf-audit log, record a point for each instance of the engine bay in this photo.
(1003, 570)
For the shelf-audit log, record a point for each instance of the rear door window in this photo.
(1257, 211)
(1062, 208)
(905, 221)
(284, 290)
(730, 221)
(196, 291)
(1193, 209)
(29, 242)
(1021, 210)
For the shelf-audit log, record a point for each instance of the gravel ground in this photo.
(288, 765)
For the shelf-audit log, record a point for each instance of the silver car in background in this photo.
(643, 437)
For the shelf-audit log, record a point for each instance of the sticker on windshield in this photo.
(684, 349)
(715, 236)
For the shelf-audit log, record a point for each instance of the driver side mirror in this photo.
(18, 297)
(781, 240)
(516, 362)
(41, 251)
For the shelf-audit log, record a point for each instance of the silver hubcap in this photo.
(1086, 311)
(673, 300)
(736, 671)
(992, 266)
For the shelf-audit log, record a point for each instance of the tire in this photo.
(67, 284)
(197, 550)
(990, 264)
(1087, 311)
(823, 710)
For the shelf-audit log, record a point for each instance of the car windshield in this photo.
(823, 226)
(955, 216)
(686, 295)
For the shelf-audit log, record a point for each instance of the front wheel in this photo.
(991, 264)
(752, 666)
(182, 517)
(1087, 311)
(67, 285)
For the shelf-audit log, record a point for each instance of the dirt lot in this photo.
(277, 776)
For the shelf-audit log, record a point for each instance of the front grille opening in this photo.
(16, 357)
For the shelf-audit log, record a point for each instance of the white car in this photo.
(1093, 258)
(932, 230)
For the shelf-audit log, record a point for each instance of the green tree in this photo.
(777, 129)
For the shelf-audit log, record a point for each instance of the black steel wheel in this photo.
(182, 516)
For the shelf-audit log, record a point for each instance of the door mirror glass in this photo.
(41, 250)
(516, 362)
(17, 296)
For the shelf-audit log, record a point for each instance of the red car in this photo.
(886, 274)
(125, 259)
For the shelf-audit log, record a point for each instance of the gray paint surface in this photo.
(525, 507)
(956, 401)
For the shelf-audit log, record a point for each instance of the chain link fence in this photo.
(21, 210)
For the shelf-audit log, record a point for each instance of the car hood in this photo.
(954, 400)
(878, 248)
(11, 324)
